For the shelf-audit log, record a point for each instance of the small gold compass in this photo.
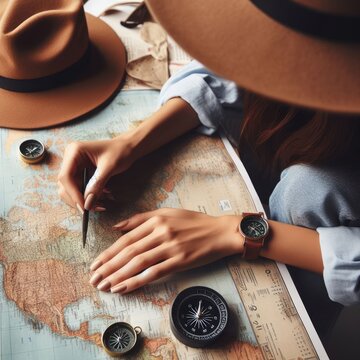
(32, 151)
(120, 338)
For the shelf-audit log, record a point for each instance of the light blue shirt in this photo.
(218, 103)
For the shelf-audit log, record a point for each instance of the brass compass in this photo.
(32, 151)
(120, 338)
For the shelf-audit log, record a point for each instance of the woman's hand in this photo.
(161, 242)
(111, 157)
(105, 157)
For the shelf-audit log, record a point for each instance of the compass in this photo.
(198, 316)
(32, 151)
(120, 338)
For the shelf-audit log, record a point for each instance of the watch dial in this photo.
(254, 227)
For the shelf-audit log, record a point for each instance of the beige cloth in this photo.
(152, 69)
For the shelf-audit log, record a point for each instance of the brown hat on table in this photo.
(56, 63)
(302, 52)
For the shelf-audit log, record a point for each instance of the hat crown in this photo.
(41, 38)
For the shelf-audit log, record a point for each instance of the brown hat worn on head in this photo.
(56, 63)
(301, 52)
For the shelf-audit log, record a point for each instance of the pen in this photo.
(85, 219)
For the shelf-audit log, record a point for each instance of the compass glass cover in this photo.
(118, 338)
(199, 314)
(31, 148)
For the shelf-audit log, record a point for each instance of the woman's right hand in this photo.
(103, 158)
(110, 157)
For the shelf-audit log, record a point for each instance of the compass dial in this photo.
(32, 151)
(119, 338)
(199, 316)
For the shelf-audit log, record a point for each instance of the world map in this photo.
(49, 310)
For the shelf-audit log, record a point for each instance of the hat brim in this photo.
(239, 42)
(91, 87)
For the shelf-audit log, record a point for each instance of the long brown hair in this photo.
(281, 135)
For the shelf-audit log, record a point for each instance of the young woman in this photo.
(309, 148)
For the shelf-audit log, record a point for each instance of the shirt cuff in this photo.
(196, 92)
(340, 249)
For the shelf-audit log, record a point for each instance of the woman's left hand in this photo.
(161, 242)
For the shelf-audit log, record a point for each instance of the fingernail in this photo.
(80, 209)
(92, 181)
(95, 279)
(89, 201)
(95, 265)
(100, 208)
(104, 285)
(121, 224)
(118, 288)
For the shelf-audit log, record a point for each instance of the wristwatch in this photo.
(254, 229)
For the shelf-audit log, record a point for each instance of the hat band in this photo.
(47, 82)
(311, 21)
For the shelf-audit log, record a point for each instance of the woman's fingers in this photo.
(123, 257)
(70, 176)
(142, 247)
(96, 184)
(68, 200)
(154, 238)
(77, 157)
(64, 195)
(135, 265)
(149, 241)
(123, 242)
(150, 274)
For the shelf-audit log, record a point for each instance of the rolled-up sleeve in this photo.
(340, 248)
(216, 101)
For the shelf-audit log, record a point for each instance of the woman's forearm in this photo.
(289, 244)
(294, 245)
(173, 119)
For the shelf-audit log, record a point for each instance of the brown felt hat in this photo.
(56, 63)
(301, 52)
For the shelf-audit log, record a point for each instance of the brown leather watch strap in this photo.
(251, 249)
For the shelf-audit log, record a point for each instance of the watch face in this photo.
(254, 227)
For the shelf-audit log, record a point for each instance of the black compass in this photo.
(198, 316)
(119, 338)
(32, 151)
